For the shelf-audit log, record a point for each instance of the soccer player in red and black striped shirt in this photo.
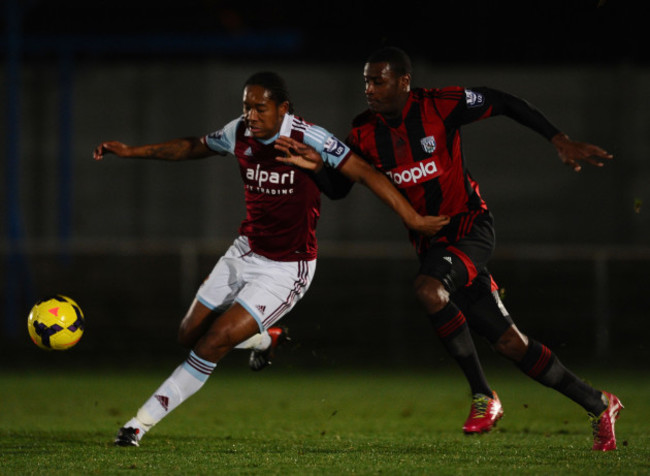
(413, 136)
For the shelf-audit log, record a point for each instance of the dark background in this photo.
(131, 241)
(548, 32)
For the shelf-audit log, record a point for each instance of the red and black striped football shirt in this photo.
(422, 153)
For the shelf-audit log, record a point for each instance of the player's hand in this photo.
(572, 153)
(298, 154)
(429, 225)
(112, 147)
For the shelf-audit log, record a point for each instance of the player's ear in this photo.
(284, 107)
(405, 82)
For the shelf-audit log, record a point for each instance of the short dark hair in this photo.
(397, 59)
(274, 84)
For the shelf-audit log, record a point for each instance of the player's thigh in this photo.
(225, 332)
(215, 295)
(456, 264)
(227, 278)
(232, 327)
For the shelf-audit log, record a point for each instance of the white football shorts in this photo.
(267, 289)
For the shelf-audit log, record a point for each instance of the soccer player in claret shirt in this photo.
(413, 136)
(271, 264)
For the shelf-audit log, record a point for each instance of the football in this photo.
(56, 323)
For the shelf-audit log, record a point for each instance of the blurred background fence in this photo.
(131, 241)
(588, 303)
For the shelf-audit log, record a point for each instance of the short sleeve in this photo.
(333, 151)
(223, 140)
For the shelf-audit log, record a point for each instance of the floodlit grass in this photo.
(294, 422)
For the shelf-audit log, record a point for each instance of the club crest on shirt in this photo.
(473, 99)
(428, 144)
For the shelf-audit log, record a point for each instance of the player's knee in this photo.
(512, 345)
(431, 294)
(214, 344)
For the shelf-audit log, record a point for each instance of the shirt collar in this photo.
(285, 130)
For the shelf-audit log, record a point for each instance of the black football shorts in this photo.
(460, 253)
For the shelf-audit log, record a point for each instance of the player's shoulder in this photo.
(441, 101)
(223, 140)
(447, 93)
(300, 122)
(309, 132)
(301, 126)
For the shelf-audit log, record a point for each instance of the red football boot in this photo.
(603, 425)
(484, 414)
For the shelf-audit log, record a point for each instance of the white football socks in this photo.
(257, 342)
(184, 382)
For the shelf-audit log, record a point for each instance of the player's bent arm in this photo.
(357, 169)
(175, 149)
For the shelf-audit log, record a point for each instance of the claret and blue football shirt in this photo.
(282, 201)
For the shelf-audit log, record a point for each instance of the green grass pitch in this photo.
(287, 421)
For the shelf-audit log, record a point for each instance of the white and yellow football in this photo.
(56, 323)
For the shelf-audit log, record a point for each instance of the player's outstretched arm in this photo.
(572, 153)
(358, 170)
(175, 149)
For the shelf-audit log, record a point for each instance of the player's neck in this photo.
(394, 117)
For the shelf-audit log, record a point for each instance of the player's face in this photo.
(386, 92)
(262, 115)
